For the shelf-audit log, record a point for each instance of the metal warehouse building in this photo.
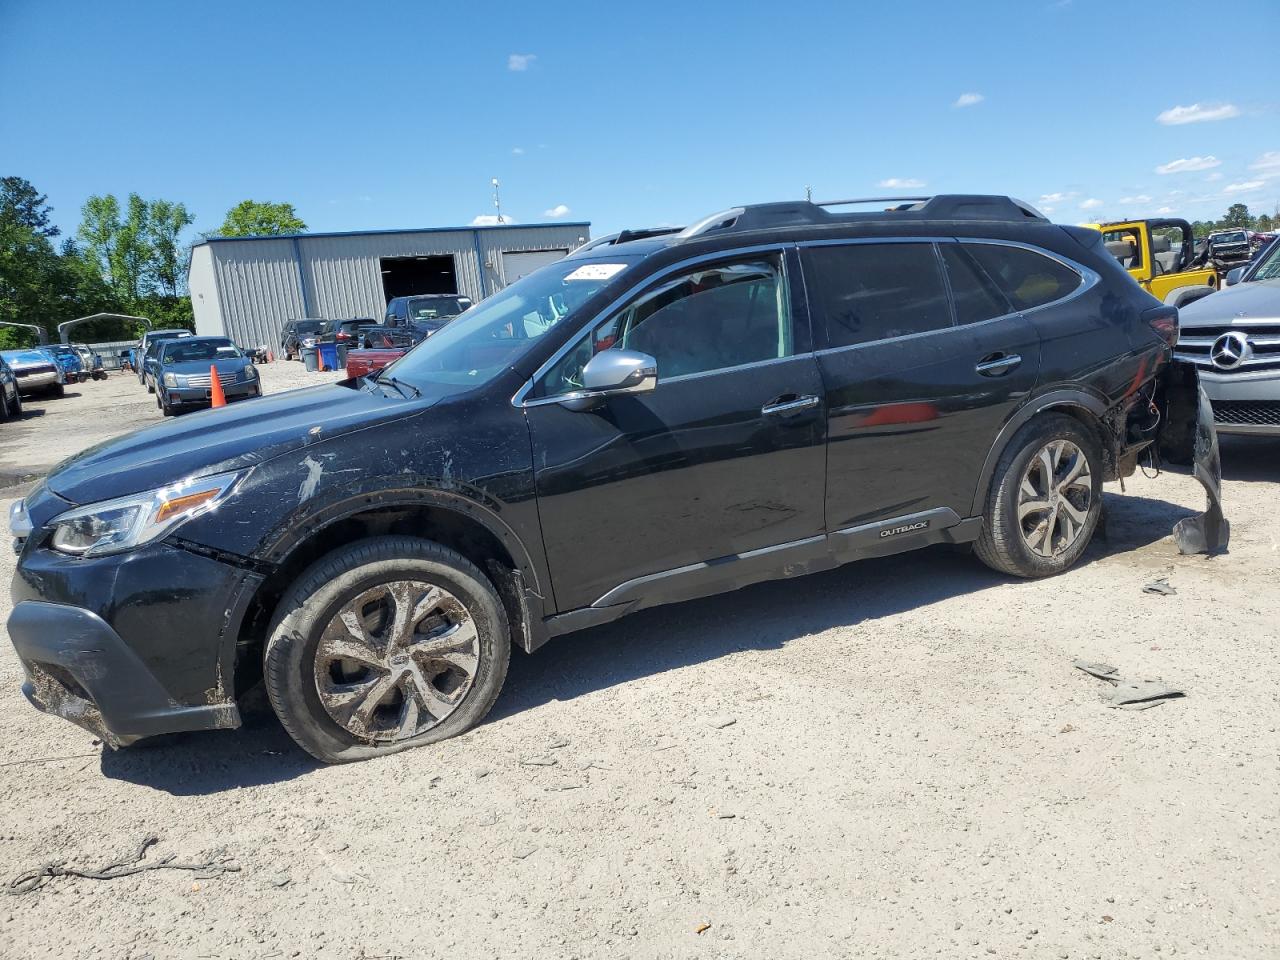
(247, 287)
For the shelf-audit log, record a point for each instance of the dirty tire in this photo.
(1001, 545)
(321, 592)
(58, 391)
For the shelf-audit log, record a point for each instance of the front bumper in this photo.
(1244, 403)
(130, 645)
(232, 391)
(38, 381)
(79, 669)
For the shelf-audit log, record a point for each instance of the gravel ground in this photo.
(895, 759)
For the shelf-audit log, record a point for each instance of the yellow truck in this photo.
(1160, 255)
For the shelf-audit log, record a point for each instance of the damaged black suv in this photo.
(775, 390)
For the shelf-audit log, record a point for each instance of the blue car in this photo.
(36, 371)
(69, 362)
(182, 377)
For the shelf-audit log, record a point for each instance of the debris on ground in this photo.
(721, 721)
(1160, 587)
(34, 879)
(538, 761)
(1129, 694)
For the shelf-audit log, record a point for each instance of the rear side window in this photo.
(1027, 278)
(877, 291)
(976, 295)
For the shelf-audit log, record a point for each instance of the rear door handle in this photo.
(788, 404)
(997, 364)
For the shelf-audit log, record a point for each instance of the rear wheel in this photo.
(1045, 499)
(390, 643)
(57, 390)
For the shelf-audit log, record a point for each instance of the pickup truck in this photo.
(424, 308)
(382, 344)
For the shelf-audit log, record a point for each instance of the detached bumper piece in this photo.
(1209, 532)
(79, 669)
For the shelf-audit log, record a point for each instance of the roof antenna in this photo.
(808, 194)
(497, 200)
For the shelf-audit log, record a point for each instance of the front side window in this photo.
(877, 291)
(712, 318)
(1027, 278)
(1126, 246)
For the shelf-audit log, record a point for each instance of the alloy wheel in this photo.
(1054, 498)
(396, 660)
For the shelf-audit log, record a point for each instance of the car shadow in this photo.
(765, 616)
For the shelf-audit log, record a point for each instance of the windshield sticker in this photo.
(596, 271)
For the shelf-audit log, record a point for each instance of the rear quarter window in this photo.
(1027, 278)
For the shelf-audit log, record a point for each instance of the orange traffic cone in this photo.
(215, 388)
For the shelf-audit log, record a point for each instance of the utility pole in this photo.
(497, 200)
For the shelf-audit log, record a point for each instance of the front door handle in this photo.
(997, 364)
(788, 404)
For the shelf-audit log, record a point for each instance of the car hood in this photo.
(215, 441)
(1255, 300)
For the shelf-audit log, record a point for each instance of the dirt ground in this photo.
(895, 759)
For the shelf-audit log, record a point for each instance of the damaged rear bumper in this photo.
(79, 669)
(1209, 532)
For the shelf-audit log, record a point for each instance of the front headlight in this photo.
(115, 526)
(251, 372)
(170, 380)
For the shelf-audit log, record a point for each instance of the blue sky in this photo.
(383, 114)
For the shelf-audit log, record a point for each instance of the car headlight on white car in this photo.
(127, 523)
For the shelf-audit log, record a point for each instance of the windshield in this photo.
(308, 326)
(1269, 267)
(432, 308)
(200, 350)
(174, 335)
(497, 332)
(1237, 237)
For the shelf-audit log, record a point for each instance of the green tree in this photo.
(1264, 224)
(252, 218)
(23, 204)
(1237, 216)
(165, 222)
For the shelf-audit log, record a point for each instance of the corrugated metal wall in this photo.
(259, 284)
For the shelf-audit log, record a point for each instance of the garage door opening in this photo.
(406, 276)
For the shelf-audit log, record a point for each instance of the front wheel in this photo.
(390, 643)
(1045, 499)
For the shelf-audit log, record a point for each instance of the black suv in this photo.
(775, 390)
(294, 332)
(424, 308)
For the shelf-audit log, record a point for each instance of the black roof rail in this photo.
(626, 236)
(793, 213)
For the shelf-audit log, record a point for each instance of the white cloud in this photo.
(968, 99)
(519, 62)
(902, 183)
(1164, 210)
(1247, 187)
(1267, 165)
(1140, 198)
(489, 220)
(517, 151)
(556, 212)
(1053, 198)
(1197, 113)
(1189, 165)
(1091, 204)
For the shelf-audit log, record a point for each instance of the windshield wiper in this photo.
(403, 387)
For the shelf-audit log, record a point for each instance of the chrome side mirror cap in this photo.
(611, 373)
(1234, 275)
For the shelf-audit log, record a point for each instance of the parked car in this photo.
(10, 396)
(37, 372)
(139, 352)
(69, 363)
(363, 363)
(351, 332)
(1160, 254)
(775, 390)
(424, 308)
(1233, 247)
(1230, 344)
(382, 345)
(294, 333)
(183, 378)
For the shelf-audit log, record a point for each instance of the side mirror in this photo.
(1234, 275)
(610, 373)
